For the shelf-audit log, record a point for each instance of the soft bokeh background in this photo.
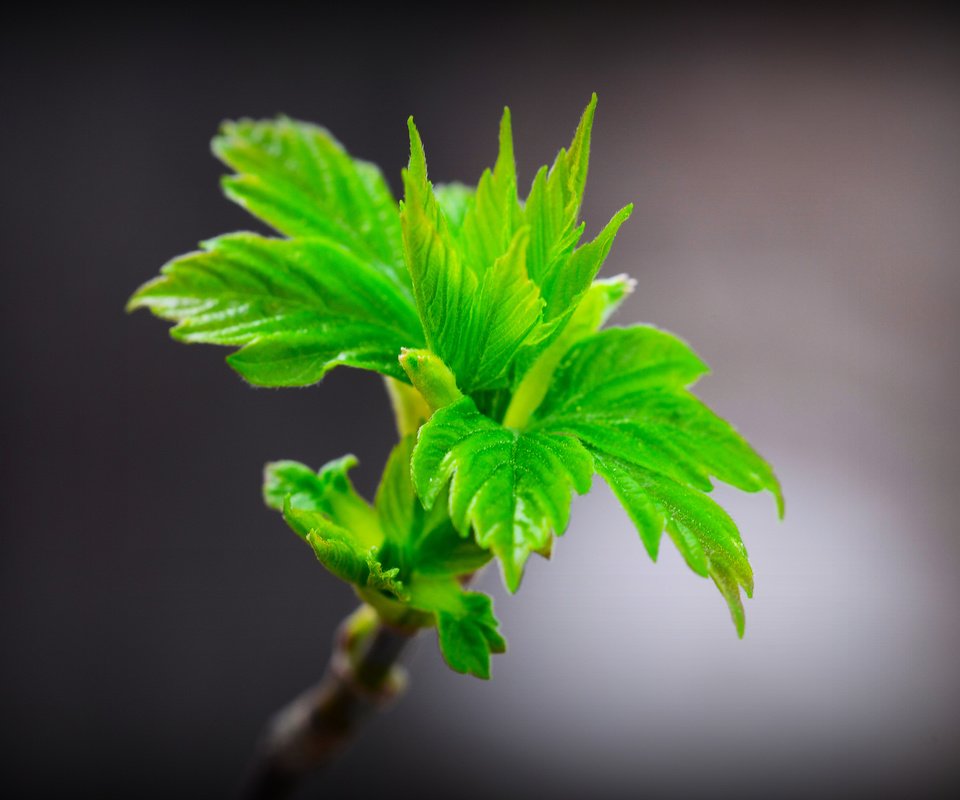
(796, 181)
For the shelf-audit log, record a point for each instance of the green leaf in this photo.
(514, 489)
(554, 202)
(399, 512)
(298, 308)
(441, 550)
(424, 541)
(466, 628)
(343, 553)
(538, 363)
(622, 391)
(614, 364)
(444, 288)
(565, 285)
(300, 180)
(329, 491)
(491, 222)
(454, 199)
(475, 322)
(703, 532)
(506, 311)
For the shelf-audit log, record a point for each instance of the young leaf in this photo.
(613, 364)
(554, 202)
(343, 553)
(475, 320)
(466, 628)
(623, 391)
(425, 541)
(329, 491)
(492, 220)
(297, 308)
(703, 532)
(455, 200)
(299, 179)
(507, 309)
(444, 288)
(538, 363)
(514, 489)
(564, 286)
(432, 378)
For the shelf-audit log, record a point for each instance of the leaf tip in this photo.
(586, 121)
(418, 159)
(511, 570)
(778, 497)
(506, 133)
(135, 301)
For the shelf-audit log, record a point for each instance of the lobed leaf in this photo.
(467, 631)
(328, 491)
(423, 541)
(474, 318)
(564, 286)
(297, 307)
(513, 489)
(299, 179)
(553, 204)
(443, 287)
(537, 363)
(703, 532)
(614, 364)
(343, 553)
(622, 392)
(455, 200)
(491, 222)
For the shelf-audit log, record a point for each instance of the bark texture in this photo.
(362, 678)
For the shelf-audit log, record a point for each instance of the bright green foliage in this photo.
(484, 308)
(329, 491)
(298, 179)
(343, 552)
(423, 540)
(476, 314)
(512, 488)
(623, 393)
(466, 627)
(703, 532)
(296, 307)
(399, 556)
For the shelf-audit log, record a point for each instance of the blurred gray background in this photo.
(796, 181)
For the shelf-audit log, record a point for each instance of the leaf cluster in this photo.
(484, 306)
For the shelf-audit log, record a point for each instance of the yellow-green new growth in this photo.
(483, 309)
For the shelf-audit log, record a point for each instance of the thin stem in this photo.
(361, 678)
(410, 410)
(531, 391)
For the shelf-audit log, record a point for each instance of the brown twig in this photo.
(361, 678)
